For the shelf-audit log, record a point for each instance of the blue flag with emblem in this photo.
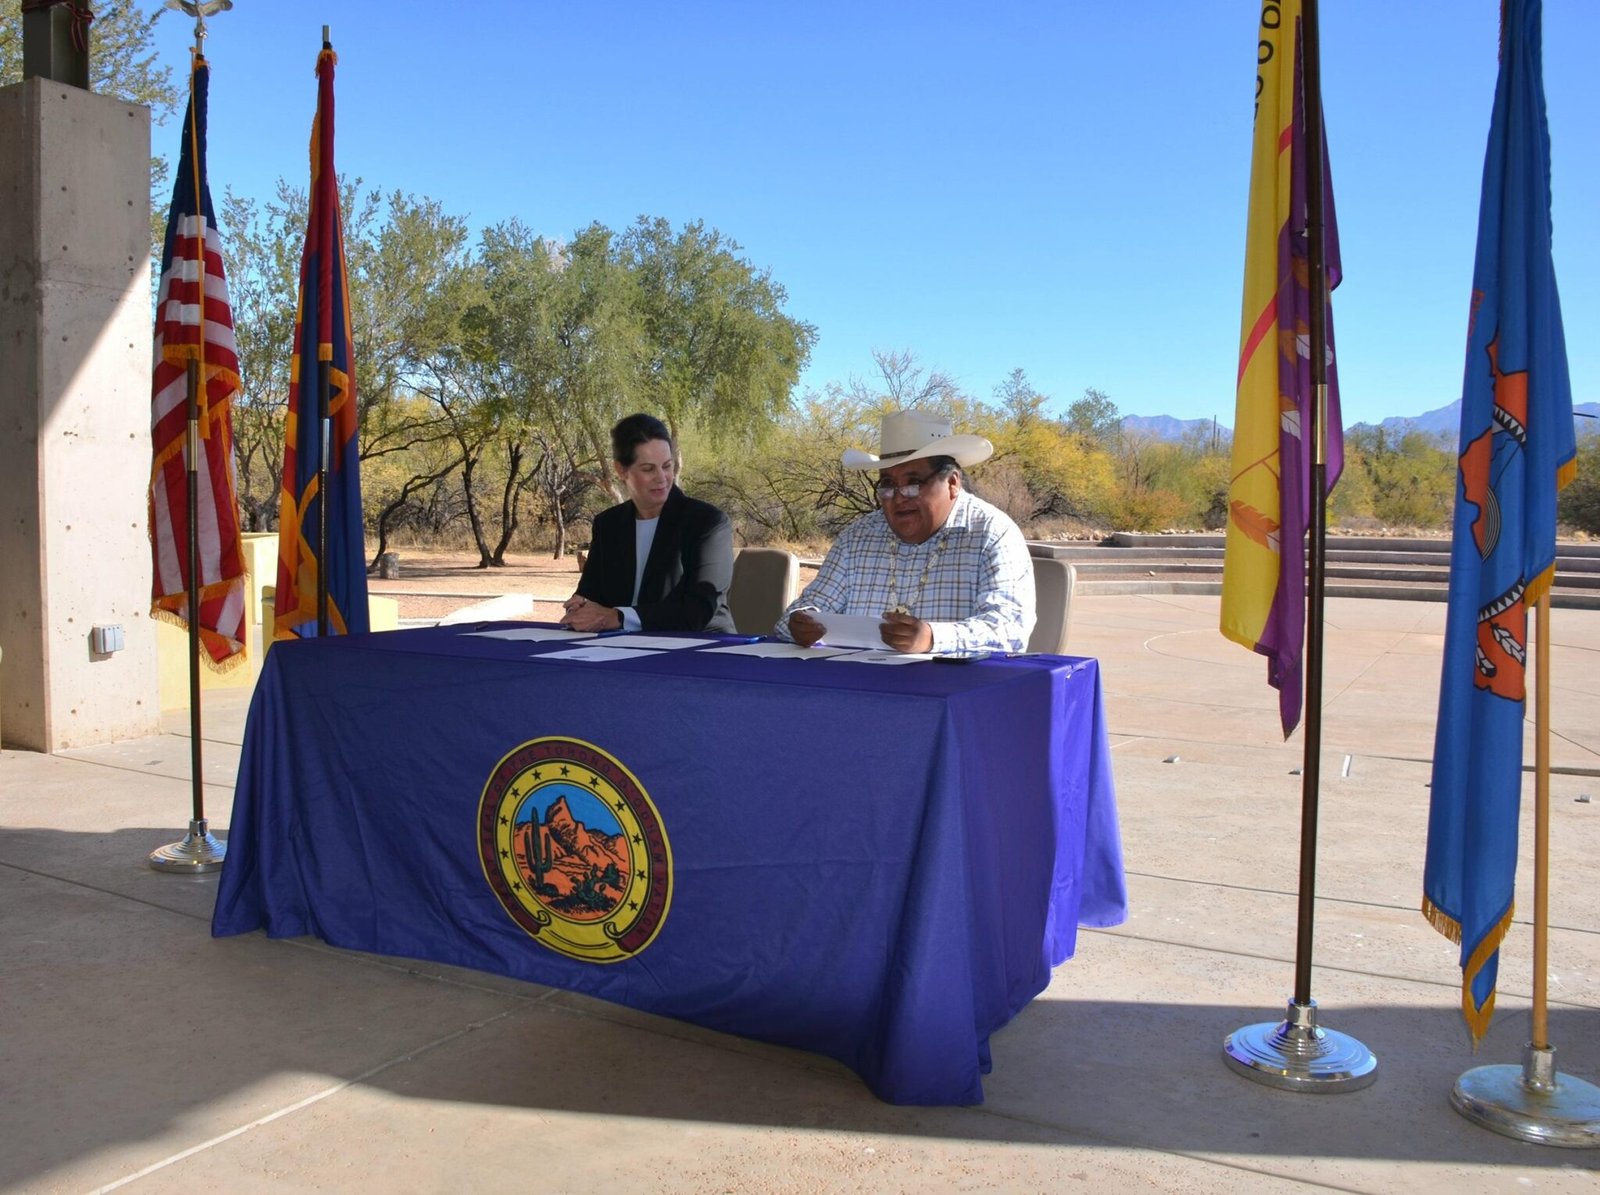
(1517, 450)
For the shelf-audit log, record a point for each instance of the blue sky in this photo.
(1056, 186)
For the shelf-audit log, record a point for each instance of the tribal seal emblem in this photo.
(575, 850)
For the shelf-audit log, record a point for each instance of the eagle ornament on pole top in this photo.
(200, 11)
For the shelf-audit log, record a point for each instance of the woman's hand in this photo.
(584, 615)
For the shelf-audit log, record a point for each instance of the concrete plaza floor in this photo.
(139, 1053)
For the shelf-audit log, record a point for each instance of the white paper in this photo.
(655, 642)
(508, 605)
(850, 630)
(881, 657)
(780, 651)
(533, 634)
(596, 653)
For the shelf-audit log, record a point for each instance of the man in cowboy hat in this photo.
(946, 571)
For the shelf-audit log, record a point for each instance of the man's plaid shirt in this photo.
(971, 580)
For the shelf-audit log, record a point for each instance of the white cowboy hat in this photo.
(914, 435)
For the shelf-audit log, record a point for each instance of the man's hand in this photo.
(804, 629)
(905, 633)
(584, 615)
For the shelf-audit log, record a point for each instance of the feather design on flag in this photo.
(195, 323)
(1257, 526)
(1517, 450)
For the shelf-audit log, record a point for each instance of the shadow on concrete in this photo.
(146, 1035)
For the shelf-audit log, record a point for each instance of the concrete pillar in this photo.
(75, 328)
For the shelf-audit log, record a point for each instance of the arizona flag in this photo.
(1517, 451)
(195, 323)
(322, 346)
(1269, 499)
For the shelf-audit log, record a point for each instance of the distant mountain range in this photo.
(1165, 427)
(1445, 421)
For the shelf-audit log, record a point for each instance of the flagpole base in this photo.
(1296, 1054)
(1531, 1102)
(199, 852)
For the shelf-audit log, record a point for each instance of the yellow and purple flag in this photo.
(1517, 450)
(1269, 498)
(322, 348)
(194, 322)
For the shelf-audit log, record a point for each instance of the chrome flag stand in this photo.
(1517, 435)
(1532, 1102)
(1297, 1054)
(199, 851)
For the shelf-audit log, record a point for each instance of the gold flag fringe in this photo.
(1477, 1018)
(1538, 587)
(221, 668)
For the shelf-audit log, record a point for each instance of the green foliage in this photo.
(719, 346)
(554, 348)
(1409, 483)
(1095, 418)
(1065, 475)
(260, 254)
(1144, 495)
(122, 63)
(785, 485)
(1351, 502)
(122, 60)
(1579, 504)
(1141, 508)
(489, 376)
(1200, 476)
(407, 273)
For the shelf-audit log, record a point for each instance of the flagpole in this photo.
(324, 399)
(1316, 260)
(1540, 1035)
(1532, 1102)
(325, 440)
(1297, 1054)
(199, 851)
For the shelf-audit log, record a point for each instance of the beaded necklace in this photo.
(896, 606)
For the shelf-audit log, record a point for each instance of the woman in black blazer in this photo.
(687, 547)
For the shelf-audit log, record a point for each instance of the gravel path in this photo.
(432, 584)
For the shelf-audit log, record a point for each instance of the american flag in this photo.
(192, 283)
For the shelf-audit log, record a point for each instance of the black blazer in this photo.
(686, 578)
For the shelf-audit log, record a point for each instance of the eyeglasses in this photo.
(887, 489)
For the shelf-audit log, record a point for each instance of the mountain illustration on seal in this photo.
(574, 870)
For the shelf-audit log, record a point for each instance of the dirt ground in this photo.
(434, 583)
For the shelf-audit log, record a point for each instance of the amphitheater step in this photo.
(1405, 568)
